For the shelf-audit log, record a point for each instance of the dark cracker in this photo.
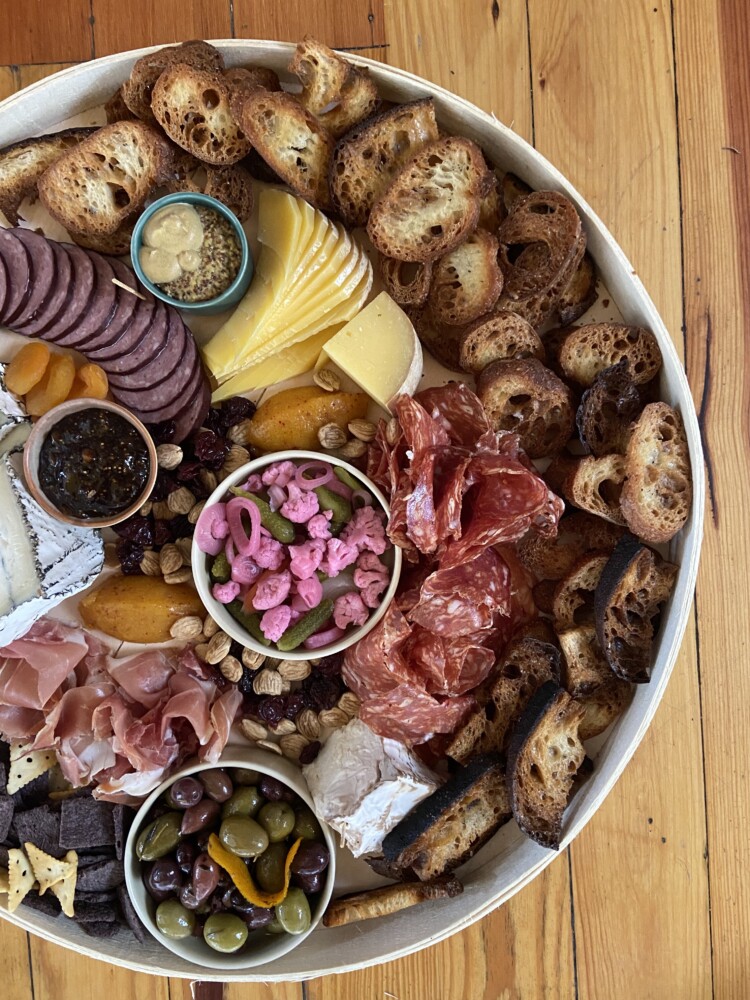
(36, 793)
(7, 808)
(41, 827)
(3, 779)
(132, 919)
(3, 856)
(107, 874)
(101, 929)
(86, 822)
(98, 896)
(47, 903)
(121, 819)
(94, 913)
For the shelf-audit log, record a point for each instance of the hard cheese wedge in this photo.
(379, 350)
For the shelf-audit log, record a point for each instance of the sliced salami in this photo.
(458, 410)
(146, 334)
(411, 715)
(163, 400)
(464, 599)
(103, 301)
(3, 285)
(194, 413)
(70, 298)
(178, 349)
(42, 280)
(18, 267)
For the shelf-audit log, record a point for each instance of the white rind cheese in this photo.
(15, 423)
(363, 785)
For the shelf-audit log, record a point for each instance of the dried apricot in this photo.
(27, 367)
(90, 383)
(54, 386)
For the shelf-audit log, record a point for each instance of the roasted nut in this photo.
(349, 703)
(331, 437)
(170, 558)
(237, 456)
(162, 511)
(210, 628)
(218, 647)
(168, 456)
(253, 730)
(294, 670)
(200, 650)
(392, 431)
(189, 627)
(268, 745)
(240, 433)
(251, 659)
(180, 576)
(268, 682)
(353, 449)
(150, 564)
(293, 745)
(185, 548)
(146, 509)
(333, 718)
(181, 500)
(231, 668)
(195, 511)
(307, 723)
(284, 727)
(363, 430)
(327, 379)
(208, 479)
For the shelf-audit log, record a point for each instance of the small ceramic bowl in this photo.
(229, 624)
(33, 448)
(231, 295)
(261, 947)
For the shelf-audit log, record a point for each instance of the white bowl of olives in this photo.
(227, 864)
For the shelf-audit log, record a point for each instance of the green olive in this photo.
(245, 801)
(277, 818)
(274, 927)
(243, 836)
(306, 825)
(173, 920)
(244, 776)
(159, 837)
(225, 932)
(269, 868)
(293, 912)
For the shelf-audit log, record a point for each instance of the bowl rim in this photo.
(31, 460)
(218, 611)
(241, 280)
(279, 945)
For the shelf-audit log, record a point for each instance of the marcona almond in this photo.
(353, 449)
(231, 668)
(268, 682)
(208, 479)
(170, 558)
(195, 511)
(331, 437)
(240, 433)
(185, 547)
(308, 724)
(294, 670)
(349, 703)
(168, 456)
(181, 500)
(333, 718)
(162, 511)
(146, 509)
(327, 379)
(110, 555)
(293, 745)
(285, 727)
(218, 647)
(180, 576)
(150, 564)
(253, 730)
(268, 745)
(251, 659)
(210, 628)
(200, 650)
(392, 431)
(237, 456)
(189, 627)
(363, 430)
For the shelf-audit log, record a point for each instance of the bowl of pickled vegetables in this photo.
(291, 555)
(227, 864)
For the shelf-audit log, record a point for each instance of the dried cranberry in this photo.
(164, 432)
(245, 683)
(180, 526)
(236, 409)
(251, 704)
(330, 666)
(130, 555)
(137, 529)
(310, 752)
(210, 449)
(271, 710)
(163, 486)
(188, 471)
(295, 702)
(162, 534)
(322, 692)
(235, 649)
(214, 421)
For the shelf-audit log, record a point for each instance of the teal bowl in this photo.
(231, 295)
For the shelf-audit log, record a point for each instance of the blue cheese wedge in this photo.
(15, 423)
(363, 785)
(42, 560)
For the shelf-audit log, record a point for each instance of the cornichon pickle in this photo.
(280, 527)
(346, 478)
(248, 620)
(159, 837)
(221, 571)
(305, 627)
(328, 500)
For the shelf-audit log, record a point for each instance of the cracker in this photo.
(66, 890)
(25, 765)
(39, 826)
(86, 822)
(132, 919)
(48, 871)
(106, 874)
(20, 878)
(43, 904)
(101, 929)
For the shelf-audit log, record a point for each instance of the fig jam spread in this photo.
(93, 463)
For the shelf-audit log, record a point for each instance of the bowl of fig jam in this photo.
(90, 462)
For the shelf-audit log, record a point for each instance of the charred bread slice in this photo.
(334, 90)
(573, 603)
(467, 281)
(449, 826)
(498, 336)
(577, 534)
(589, 679)
(432, 205)
(579, 294)
(544, 596)
(634, 585)
(137, 89)
(441, 340)
(523, 396)
(595, 485)
(658, 492)
(607, 410)
(544, 756)
(588, 350)
(367, 158)
(407, 282)
(389, 899)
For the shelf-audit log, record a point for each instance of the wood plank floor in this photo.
(644, 105)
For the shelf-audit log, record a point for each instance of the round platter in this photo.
(510, 860)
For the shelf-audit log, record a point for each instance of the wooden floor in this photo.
(644, 106)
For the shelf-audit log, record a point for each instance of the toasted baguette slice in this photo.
(116, 244)
(525, 397)
(367, 158)
(432, 204)
(595, 485)
(578, 533)
(291, 141)
(634, 585)
(466, 282)
(233, 186)
(588, 350)
(441, 340)
(388, 899)
(498, 336)
(117, 110)
(192, 106)
(658, 492)
(544, 596)
(337, 92)
(407, 282)
(95, 187)
(589, 679)
(607, 410)
(573, 603)
(245, 78)
(137, 89)
(579, 294)
(492, 211)
(23, 163)
(544, 756)
(449, 826)
(513, 189)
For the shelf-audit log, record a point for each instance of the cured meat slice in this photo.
(433, 507)
(42, 278)
(3, 285)
(464, 599)
(177, 349)
(99, 316)
(419, 429)
(18, 267)
(458, 410)
(411, 715)
(146, 332)
(473, 661)
(164, 400)
(376, 664)
(194, 413)
(67, 300)
(126, 306)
